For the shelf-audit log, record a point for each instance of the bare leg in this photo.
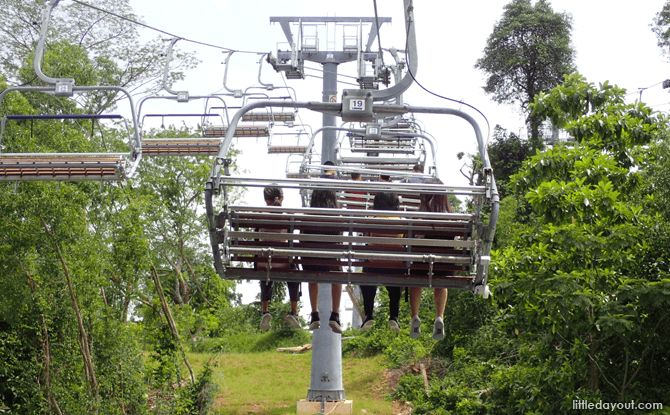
(440, 295)
(415, 300)
(336, 293)
(314, 296)
(294, 307)
(264, 306)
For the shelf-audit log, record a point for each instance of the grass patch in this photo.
(262, 342)
(272, 383)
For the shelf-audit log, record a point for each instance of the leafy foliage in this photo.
(529, 51)
(580, 276)
(113, 45)
(77, 261)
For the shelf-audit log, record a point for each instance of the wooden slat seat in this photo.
(180, 147)
(360, 200)
(240, 131)
(268, 117)
(380, 160)
(44, 168)
(395, 143)
(380, 149)
(286, 149)
(340, 237)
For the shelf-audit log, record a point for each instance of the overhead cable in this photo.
(379, 40)
(438, 95)
(163, 31)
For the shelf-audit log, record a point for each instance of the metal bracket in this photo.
(488, 174)
(226, 166)
(430, 258)
(350, 255)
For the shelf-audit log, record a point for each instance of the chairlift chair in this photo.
(236, 246)
(56, 166)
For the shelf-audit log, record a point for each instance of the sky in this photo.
(613, 41)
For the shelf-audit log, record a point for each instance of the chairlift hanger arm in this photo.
(402, 86)
(39, 51)
(269, 87)
(166, 70)
(238, 92)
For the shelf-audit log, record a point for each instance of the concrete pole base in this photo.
(314, 407)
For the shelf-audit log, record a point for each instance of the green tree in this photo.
(507, 152)
(528, 52)
(77, 257)
(661, 28)
(112, 44)
(585, 281)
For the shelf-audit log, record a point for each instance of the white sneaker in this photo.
(394, 326)
(292, 320)
(415, 327)
(265, 321)
(368, 323)
(315, 323)
(438, 329)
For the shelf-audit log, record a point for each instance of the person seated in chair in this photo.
(324, 198)
(431, 203)
(383, 201)
(274, 196)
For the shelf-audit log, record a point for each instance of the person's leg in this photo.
(293, 295)
(440, 295)
(314, 296)
(394, 301)
(266, 296)
(314, 302)
(368, 292)
(336, 293)
(394, 307)
(334, 320)
(415, 300)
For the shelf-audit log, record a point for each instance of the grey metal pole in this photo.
(326, 377)
(329, 137)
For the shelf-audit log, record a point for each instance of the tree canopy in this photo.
(97, 273)
(661, 28)
(113, 46)
(529, 51)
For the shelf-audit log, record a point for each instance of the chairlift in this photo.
(56, 166)
(182, 146)
(277, 144)
(236, 245)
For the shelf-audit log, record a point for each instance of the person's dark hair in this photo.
(418, 168)
(438, 203)
(323, 198)
(355, 176)
(384, 177)
(386, 201)
(329, 163)
(274, 194)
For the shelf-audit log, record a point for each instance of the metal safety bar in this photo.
(350, 185)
